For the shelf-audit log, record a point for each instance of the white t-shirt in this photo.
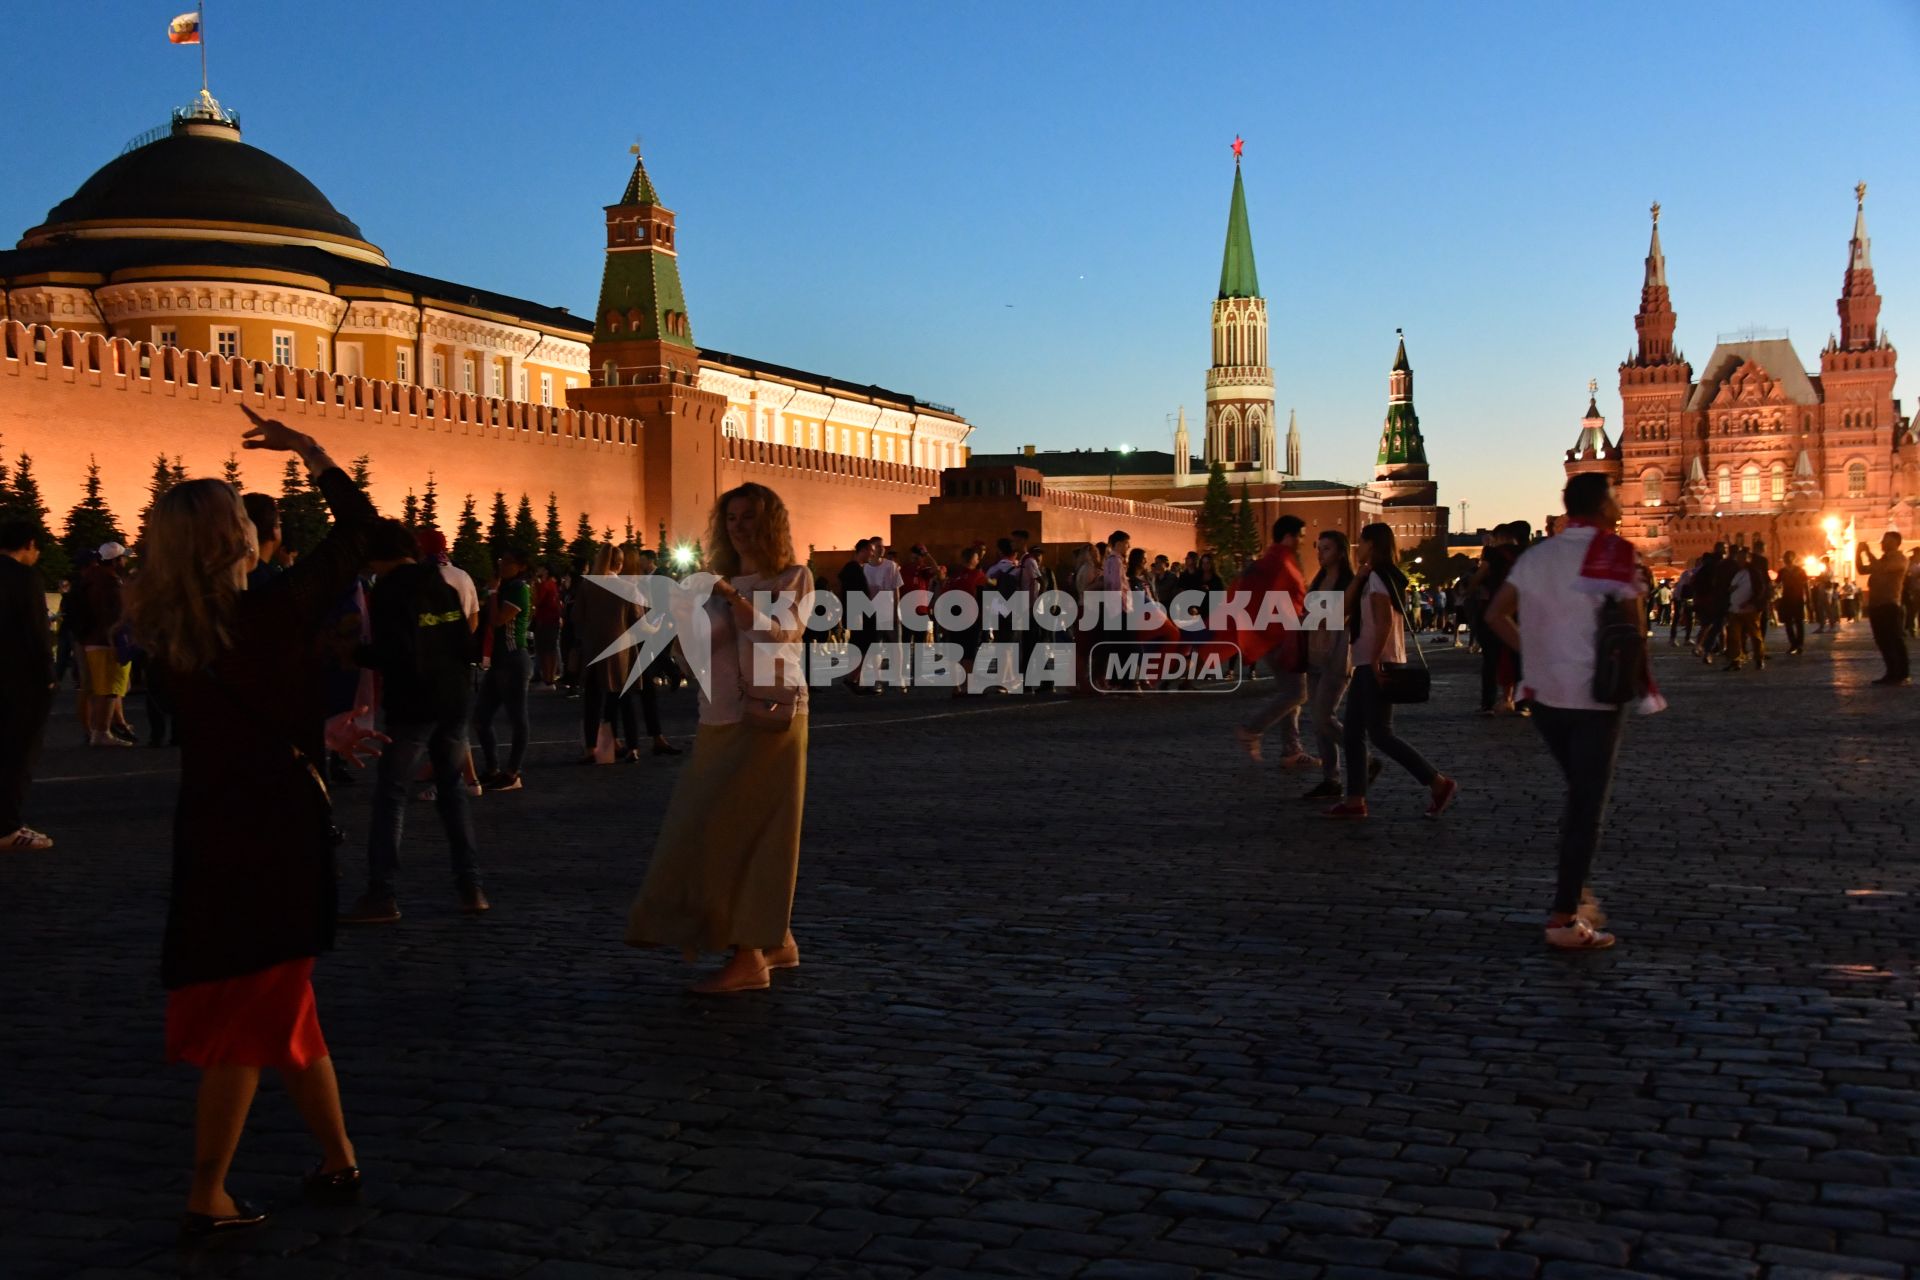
(1392, 647)
(462, 583)
(1559, 623)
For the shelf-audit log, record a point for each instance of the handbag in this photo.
(1620, 655)
(768, 708)
(1406, 682)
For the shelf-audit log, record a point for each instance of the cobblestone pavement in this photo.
(1085, 995)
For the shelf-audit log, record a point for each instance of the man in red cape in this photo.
(1283, 647)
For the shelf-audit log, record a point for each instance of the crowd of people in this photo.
(267, 671)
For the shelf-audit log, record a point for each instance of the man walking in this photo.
(1743, 614)
(1886, 581)
(1550, 609)
(860, 633)
(26, 681)
(508, 672)
(1793, 603)
(420, 648)
(1281, 647)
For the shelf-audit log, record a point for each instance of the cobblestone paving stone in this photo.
(1085, 996)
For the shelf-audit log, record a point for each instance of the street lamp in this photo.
(1113, 464)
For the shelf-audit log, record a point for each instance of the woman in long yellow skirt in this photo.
(728, 853)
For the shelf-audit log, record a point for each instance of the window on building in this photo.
(889, 448)
(466, 374)
(439, 370)
(730, 427)
(846, 434)
(546, 388)
(226, 341)
(165, 335)
(1856, 479)
(1723, 483)
(1750, 483)
(813, 435)
(520, 386)
(320, 354)
(497, 383)
(403, 365)
(282, 348)
(572, 383)
(1650, 488)
(1777, 482)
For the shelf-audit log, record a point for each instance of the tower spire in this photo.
(1859, 299)
(1238, 278)
(1293, 444)
(1656, 321)
(1400, 442)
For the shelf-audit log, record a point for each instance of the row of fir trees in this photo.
(303, 518)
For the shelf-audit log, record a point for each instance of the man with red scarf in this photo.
(1549, 610)
(1283, 647)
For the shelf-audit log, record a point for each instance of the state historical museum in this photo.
(1758, 448)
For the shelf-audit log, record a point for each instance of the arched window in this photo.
(1856, 479)
(730, 428)
(609, 375)
(1777, 482)
(1650, 488)
(1750, 483)
(1723, 483)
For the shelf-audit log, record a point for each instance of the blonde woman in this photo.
(252, 899)
(728, 852)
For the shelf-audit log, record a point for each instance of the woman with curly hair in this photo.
(728, 852)
(253, 892)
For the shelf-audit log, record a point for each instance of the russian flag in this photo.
(184, 29)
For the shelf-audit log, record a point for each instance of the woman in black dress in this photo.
(253, 894)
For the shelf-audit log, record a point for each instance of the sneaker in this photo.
(473, 901)
(1346, 809)
(371, 910)
(428, 793)
(1299, 760)
(1327, 790)
(1443, 798)
(504, 782)
(26, 840)
(473, 789)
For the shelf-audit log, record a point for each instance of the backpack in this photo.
(1620, 654)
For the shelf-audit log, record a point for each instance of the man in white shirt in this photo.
(1549, 610)
(884, 581)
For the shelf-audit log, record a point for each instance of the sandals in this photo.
(721, 985)
(1578, 935)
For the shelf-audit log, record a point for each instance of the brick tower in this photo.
(1241, 431)
(645, 365)
(1592, 451)
(1656, 457)
(1400, 469)
(1856, 382)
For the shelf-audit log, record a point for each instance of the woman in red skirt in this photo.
(253, 894)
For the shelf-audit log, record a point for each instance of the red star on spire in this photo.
(1238, 147)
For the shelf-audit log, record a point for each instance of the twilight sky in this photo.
(1019, 209)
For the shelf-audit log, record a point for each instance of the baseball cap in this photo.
(111, 551)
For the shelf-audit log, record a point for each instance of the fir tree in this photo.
(410, 511)
(500, 524)
(303, 512)
(6, 491)
(583, 546)
(231, 470)
(362, 471)
(90, 523)
(179, 471)
(162, 480)
(553, 542)
(470, 548)
(430, 506)
(1216, 523)
(526, 531)
(22, 501)
(1246, 535)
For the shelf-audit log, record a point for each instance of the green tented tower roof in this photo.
(1238, 278)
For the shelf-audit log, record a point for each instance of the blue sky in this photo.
(1019, 209)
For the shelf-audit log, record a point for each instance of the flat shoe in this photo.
(717, 986)
(195, 1227)
(783, 957)
(341, 1187)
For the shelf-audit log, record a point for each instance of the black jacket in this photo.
(421, 646)
(26, 659)
(253, 875)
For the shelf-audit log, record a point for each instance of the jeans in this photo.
(504, 685)
(1885, 621)
(1324, 706)
(1283, 709)
(23, 722)
(1369, 716)
(1584, 744)
(444, 743)
(1492, 649)
(603, 706)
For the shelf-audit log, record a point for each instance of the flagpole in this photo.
(200, 11)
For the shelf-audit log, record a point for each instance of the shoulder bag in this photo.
(1404, 682)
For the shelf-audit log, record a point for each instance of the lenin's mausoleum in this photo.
(1757, 448)
(195, 272)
